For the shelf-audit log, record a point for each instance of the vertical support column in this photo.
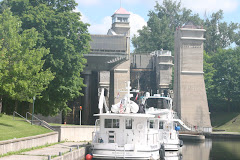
(190, 99)
(118, 78)
(163, 71)
(87, 98)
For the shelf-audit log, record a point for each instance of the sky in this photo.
(98, 12)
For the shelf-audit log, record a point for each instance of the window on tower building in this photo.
(125, 19)
(120, 19)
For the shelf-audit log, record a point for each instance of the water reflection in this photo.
(197, 150)
(208, 150)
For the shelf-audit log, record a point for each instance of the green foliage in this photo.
(219, 34)
(61, 30)
(209, 72)
(22, 76)
(222, 74)
(162, 23)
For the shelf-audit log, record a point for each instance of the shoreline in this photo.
(199, 137)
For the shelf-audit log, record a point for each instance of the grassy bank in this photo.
(10, 129)
(229, 122)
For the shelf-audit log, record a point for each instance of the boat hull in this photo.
(119, 154)
(106, 151)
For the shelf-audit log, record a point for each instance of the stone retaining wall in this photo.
(14, 145)
(223, 135)
(74, 155)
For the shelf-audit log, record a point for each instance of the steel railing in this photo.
(42, 122)
(15, 113)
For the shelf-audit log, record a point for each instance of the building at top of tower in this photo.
(120, 23)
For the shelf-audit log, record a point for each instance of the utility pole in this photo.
(33, 109)
(80, 116)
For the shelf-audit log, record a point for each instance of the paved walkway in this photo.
(42, 154)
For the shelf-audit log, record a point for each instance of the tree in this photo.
(162, 23)
(209, 71)
(22, 76)
(61, 30)
(219, 34)
(3, 65)
(222, 73)
(227, 75)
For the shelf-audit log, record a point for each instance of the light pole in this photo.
(80, 115)
(33, 108)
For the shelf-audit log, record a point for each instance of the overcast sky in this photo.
(98, 12)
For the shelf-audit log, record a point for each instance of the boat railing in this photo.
(194, 128)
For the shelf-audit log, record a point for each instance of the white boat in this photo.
(122, 133)
(161, 108)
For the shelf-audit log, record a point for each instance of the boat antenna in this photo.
(120, 3)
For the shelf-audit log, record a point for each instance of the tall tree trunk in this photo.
(0, 104)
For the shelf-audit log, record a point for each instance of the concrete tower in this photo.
(190, 100)
(120, 74)
(120, 23)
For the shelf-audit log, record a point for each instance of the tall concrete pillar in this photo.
(86, 111)
(190, 100)
(118, 78)
(163, 62)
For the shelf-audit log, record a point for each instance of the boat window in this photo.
(111, 123)
(128, 123)
(151, 124)
(108, 123)
(115, 123)
(161, 125)
(154, 102)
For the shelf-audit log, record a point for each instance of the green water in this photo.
(210, 150)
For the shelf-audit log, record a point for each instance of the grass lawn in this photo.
(10, 129)
(230, 122)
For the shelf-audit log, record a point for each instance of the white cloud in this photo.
(136, 23)
(202, 6)
(101, 28)
(88, 2)
(83, 17)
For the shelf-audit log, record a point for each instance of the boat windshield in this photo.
(158, 103)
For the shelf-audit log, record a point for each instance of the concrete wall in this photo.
(74, 155)
(27, 142)
(75, 133)
(142, 61)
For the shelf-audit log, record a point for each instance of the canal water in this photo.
(208, 150)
